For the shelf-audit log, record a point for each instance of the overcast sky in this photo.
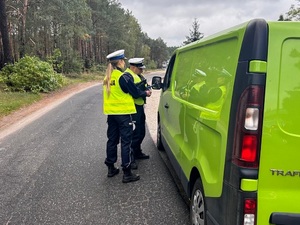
(172, 19)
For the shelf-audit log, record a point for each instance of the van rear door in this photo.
(279, 166)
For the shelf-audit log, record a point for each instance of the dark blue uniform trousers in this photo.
(119, 127)
(140, 129)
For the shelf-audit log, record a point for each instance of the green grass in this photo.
(12, 101)
(74, 79)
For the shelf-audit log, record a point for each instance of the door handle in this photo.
(166, 105)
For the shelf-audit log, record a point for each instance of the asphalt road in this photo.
(52, 171)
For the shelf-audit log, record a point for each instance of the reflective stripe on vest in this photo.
(118, 102)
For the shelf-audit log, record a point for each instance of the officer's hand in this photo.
(148, 92)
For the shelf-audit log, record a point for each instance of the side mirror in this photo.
(156, 83)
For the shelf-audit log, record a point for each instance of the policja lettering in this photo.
(113, 83)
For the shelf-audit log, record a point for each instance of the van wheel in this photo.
(158, 138)
(197, 205)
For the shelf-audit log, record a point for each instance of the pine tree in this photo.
(294, 13)
(195, 34)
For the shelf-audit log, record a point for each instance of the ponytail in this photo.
(107, 78)
(112, 65)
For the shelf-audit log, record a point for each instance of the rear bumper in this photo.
(285, 218)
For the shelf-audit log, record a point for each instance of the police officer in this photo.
(136, 67)
(118, 104)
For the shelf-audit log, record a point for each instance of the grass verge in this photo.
(12, 101)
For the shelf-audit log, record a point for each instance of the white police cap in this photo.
(116, 55)
(137, 62)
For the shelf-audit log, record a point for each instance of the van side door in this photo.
(169, 116)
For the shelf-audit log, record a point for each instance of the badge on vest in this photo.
(112, 82)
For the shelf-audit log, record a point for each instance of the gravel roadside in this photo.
(151, 113)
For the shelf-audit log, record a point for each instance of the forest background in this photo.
(46, 43)
(79, 32)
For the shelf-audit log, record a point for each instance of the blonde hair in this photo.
(109, 69)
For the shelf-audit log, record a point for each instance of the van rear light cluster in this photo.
(249, 211)
(248, 127)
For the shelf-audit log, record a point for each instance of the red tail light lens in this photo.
(249, 148)
(250, 206)
(248, 127)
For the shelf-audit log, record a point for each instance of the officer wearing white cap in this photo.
(136, 69)
(137, 62)
(118, 105)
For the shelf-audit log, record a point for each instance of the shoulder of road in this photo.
(25, 115)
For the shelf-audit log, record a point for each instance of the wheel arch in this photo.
(193, 177)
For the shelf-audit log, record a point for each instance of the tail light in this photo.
(249, 211)
(248, 128)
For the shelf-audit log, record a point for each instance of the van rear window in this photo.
(289, 87)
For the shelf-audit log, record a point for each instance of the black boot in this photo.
(134, 166)
(129, 176)
(141, 155)
(112, 171)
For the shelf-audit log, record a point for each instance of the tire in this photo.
(159, 144)
(197, 205)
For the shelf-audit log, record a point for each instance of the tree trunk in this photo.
(7, 56)
(23, 29)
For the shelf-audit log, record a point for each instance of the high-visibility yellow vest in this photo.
(136, 79)
(118, 102)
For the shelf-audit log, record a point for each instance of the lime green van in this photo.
(229, 120)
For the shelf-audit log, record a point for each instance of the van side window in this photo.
(210, 76)
(183, 74)
(167, 78)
